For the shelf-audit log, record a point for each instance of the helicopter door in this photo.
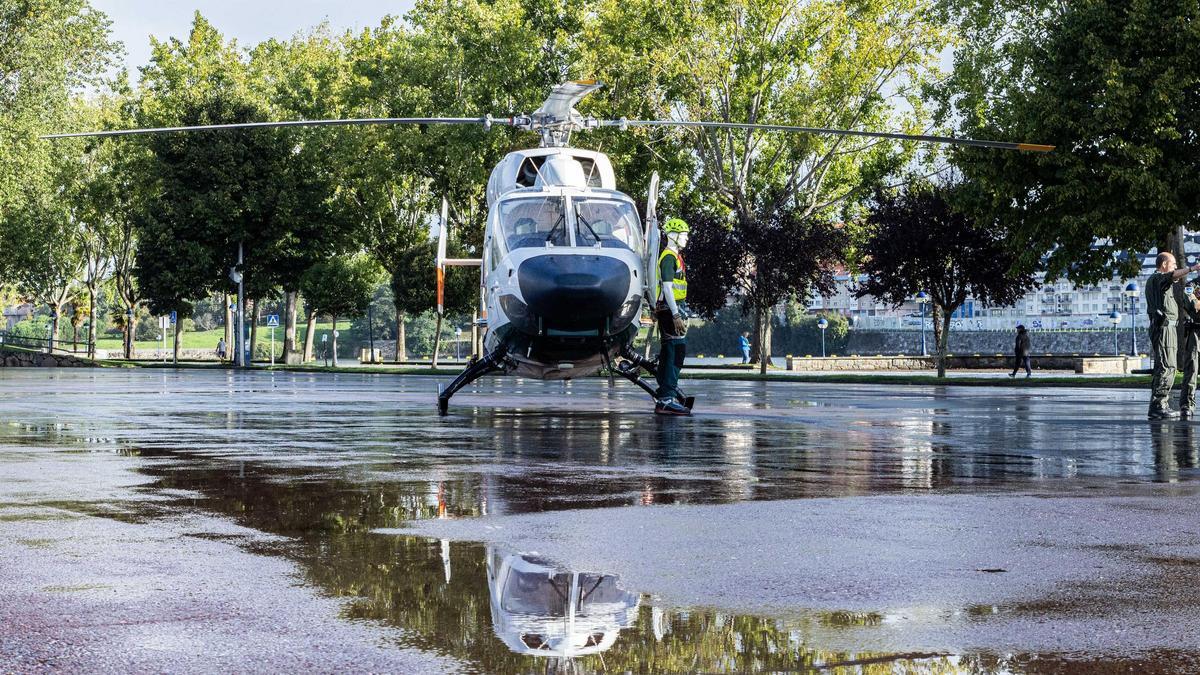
(652, 241)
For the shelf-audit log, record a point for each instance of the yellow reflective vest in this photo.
(679, 281)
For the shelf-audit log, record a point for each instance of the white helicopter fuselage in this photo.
(564, 265)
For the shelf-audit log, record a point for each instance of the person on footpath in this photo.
(1188, 300)
(672, 321)
(1163, 312)
(744, 345)
(221, 348)
(1021, 353)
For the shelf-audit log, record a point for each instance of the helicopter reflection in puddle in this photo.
(541, 609)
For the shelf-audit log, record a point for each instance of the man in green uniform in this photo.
(1188, 300)
(672, 324)
(1164, 338)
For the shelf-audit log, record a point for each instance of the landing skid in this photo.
(631, 368)
(476, 369)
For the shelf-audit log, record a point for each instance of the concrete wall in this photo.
(871, 342)
(1109, 365)
(15, 358)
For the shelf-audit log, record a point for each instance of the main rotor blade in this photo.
(486, 121)
(948, 140)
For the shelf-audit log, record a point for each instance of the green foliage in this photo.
(1114, 85)
(342, 286)
(48, 48)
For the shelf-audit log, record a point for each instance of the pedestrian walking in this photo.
(1188, 300)
(221, 348)
(1163, 312)
(1021, 353)
(744, 340)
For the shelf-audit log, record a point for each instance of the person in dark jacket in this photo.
(1021, 351)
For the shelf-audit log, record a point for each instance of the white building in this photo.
(1056, 305)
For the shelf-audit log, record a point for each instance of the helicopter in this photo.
(567, 263)
(543, 610)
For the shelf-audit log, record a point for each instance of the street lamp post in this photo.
(922, 300)
(1131, 292)
(822, 324)
(1115, 318)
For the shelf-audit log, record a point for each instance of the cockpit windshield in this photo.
(612, 223)
(533, 221)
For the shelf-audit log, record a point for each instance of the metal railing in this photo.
(11, 339)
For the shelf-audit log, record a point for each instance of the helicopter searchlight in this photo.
(567, 262)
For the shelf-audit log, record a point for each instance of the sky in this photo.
(248, 21)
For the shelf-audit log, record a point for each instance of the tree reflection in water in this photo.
(403, 582)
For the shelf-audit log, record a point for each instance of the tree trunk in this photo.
(763, 337)
(178, 333)
(309, 334)
(130, 324)
(230, 348)
(254, 308)
(335, 336)
(943, 344)
(401, 338)
(289, 325)
(53, 329)
(74, 338)
(437, 341)
(91, 334)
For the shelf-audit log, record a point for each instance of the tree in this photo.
(918, 241)
(307, 77)
(340, 287)
(778, 255)
(820, 64)
(48, 48)
(1116, 86)
(46, 259)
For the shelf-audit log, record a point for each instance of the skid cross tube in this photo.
(475, 370)
(629, 369)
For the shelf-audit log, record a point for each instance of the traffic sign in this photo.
(173, 317)
(272, 320)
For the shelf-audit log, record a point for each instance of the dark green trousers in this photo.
(1164, 342)
(670, 362)
(1190, 354)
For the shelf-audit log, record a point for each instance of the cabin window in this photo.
(590, 171)
(528, 173)
(536, 592)
(611, 223)
(533, 222)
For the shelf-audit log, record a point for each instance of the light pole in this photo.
(922, 300)
(1115, 318)
(822, 324)
(239, 341)
(1131, 292)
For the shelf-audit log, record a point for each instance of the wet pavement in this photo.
(200, 521)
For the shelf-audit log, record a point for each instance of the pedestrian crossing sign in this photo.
(272, 320)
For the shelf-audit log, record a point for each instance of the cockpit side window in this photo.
(611, 223)
(528, 172)
(533, 222)
(590, 171)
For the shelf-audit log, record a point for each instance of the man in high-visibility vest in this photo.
(670, 314)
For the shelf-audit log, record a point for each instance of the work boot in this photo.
(670, 406)
(1185, 413)
(1163, 415)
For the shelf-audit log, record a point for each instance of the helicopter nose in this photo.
(574, 292)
